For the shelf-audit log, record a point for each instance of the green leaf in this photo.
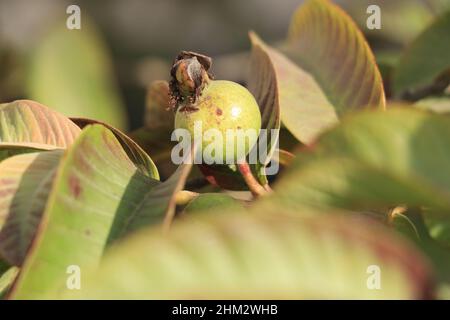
(269, 255)
(27, 126)
(98, 195)
(212, 202)
(263, 84)
(305, 109)
(426, 57)
(26, 181)
(138, 156)
(71, 72)
(310, 101)
(339, 182)
(375, 159)
(336, 72)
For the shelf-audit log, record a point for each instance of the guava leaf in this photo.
(335, 74)
(426, 57)
(25, 183)
(136, 154)
(339, 182)
(71, 72)
(263, 84)
(98, 195)
(212, 202)
(27, 126)
(375, 159)
(292, 90)
(270, 254)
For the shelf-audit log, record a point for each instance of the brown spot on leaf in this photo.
(74, 186)
(7, 181)
(219, 111)
(7, 192)
(80, 160)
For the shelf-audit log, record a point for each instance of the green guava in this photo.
(231, 111)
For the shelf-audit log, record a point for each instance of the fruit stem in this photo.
(253, 184)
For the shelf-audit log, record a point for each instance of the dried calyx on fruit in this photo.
(189, 76)
(221, 110)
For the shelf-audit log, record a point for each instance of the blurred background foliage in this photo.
(103, 70)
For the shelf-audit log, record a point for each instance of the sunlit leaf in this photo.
(426, 57)
(97, 196)
(263, 84)
(260, 256)
(71, 72)
(375, 159)
(27, 125)
(139, 157)
(327, 43)
(305, 109)
(336, 71)
(25, 183)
